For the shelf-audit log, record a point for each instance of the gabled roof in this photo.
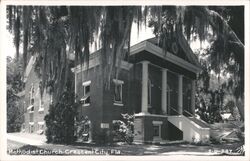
(150, 47)
(192, 58)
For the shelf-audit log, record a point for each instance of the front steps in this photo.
(194, 130)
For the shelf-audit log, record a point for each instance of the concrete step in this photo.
(193, 129)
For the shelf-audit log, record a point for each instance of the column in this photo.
(193, 97)
(144, 98)
(180, 95)
(164, 91)
(75, 71)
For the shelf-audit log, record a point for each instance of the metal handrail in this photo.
(171, 108)
(188, 113)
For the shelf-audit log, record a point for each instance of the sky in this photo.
(10, 45)
(144, 33)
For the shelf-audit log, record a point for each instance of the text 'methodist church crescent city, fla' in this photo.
(157, 86)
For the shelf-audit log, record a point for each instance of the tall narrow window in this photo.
(32, 91)
(31, 99)
(149, 92)
(118, 92)
(85, 100)
(41, 105)
(51, 98)
(31, 127)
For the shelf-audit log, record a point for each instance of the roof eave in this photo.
(150, 47)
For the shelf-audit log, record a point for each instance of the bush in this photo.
(123, 130)
(60, 120)
(83, 129)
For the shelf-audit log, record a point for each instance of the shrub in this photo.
(60, 120)
(123, 130)
(83, 129)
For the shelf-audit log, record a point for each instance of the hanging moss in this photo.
(55, 32)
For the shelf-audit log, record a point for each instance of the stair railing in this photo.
(171, 108)
(191, 115)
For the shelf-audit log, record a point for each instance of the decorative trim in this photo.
(157, 122)
(86, 105)
(145, 62)
(151, 115)
(86, 83)
(29, 107)
(118, 104)
(41, 109)
(118, 81)
(96, 61)
(41, 123)
(164, 70)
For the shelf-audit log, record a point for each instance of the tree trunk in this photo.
(240, 106)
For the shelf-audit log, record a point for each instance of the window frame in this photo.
(159, 125)
(31, 127)
(118, 83)
(31, 99)
(41, 105)
(83, 101)
(32, 91)
(32, 109)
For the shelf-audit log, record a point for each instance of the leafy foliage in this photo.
(216, 87)
(14, 121)
(60, 119)
(14, 86)
(83, 128)
(123, 129)
(55, 33)
(220, 61)
(58, 32)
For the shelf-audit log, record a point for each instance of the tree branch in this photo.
(214, 15)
